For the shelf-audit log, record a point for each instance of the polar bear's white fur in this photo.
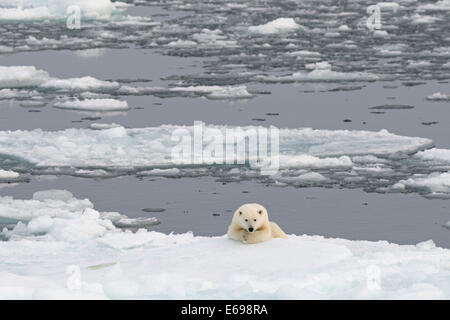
(251, 224)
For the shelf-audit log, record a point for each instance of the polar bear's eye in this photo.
(254, 220)
(240, 212)
(246, 220)
(260, 211)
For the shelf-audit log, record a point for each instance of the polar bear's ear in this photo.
(260, 211)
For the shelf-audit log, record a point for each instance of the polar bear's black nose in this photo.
(250, 229)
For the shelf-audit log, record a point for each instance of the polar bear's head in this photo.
(251, 217)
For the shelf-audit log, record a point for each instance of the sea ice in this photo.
(60, 245)
(94, 105)
(276, 26)
(439, 97)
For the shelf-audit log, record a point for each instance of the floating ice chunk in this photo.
(380, 34)
(320, 71)
(418, 64)
(209, 36)
(311, 177)
(103, 126)
(388, 5)
(344, 27)
(80, 84)
(435, 184)
(419, 19)
(437, 155)
(217, 92)
(439, 97)
(21, 77)
(94, 105)
(442, 5)
(213, 39)
(57, 215)
(279, 25)
(182, 44)
(25, 14)
(304, 53)
(49, 203)
(160, 172)
(318, 66)
(8, 175)
(6, 49)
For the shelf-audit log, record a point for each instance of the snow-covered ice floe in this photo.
(373, 161)
(58, 247)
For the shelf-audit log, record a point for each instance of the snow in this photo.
(279, 25)
(78, 253)
(94, 105)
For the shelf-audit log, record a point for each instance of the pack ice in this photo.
(14, 78)
(35, 10)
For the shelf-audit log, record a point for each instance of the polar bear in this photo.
(251, 224)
